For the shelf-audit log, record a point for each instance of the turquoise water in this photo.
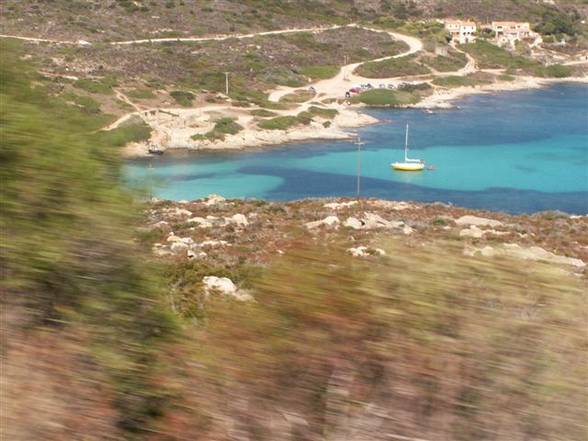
(518, 152)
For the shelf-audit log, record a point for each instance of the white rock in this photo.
(202, 223)
(161, 225)
(180, 212)
(193, 255)
(365, 251)
(178, 247)
(225, 286)
(238, 219)
(407, 230)
(214, 243)
(340, 205)
(373, 220)
(214, 199)
(478, 221)
(177, 239)
(329, 221)
(531, 253)
(392, 205)
(353, 222)
(473, 231)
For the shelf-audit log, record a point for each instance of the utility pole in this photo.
(226, 83)
(359, 143)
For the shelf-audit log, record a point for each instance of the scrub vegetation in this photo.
(224, 126)
(394, 67)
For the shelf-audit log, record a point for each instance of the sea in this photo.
(517, 152)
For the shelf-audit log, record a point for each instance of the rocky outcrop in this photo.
(329, 221)
(225, 287)
(340, 205)
(531, 253)
(213, 199)
(363, 251)
(371, 221)
(237, 219)
(478, 221)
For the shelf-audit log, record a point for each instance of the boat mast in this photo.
(406, 145)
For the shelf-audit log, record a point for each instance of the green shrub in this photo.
(263, 113)
(467, 80)
(281, 76)
(553, 71)
(228, 126)
(103, 86)
(385, 97)
(319, 72)
(133, 132)
(88, 104)
(183, 98)
(279, 123)
(141, 94)
(224, 126)
(298, 96)
(454, 61)
(322, 112)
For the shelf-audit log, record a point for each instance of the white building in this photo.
(461, 31)
(509, 32)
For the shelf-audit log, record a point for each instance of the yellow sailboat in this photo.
(408, 164)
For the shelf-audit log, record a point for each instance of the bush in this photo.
(298, 96)
(88, 104)
(454, 61)
(279, 123)
(322, 112)
(103, 86)
(228, 126)
(460, 81)
(319, 72)
(385, 97)
(183, 98)
(121, 136)
(224, 126)
(263, 113)
(553, 71)
(141, 94)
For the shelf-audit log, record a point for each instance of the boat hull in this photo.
(408, 166)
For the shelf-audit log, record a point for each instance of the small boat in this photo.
(408, 164)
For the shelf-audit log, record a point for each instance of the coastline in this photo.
(340, 128)
(444, 98)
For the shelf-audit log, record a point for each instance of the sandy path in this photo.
(335, 87)
(219, 37)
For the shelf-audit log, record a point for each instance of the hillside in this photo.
(125, 19)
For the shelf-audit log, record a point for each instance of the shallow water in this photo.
(517, 152)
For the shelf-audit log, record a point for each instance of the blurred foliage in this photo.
(66, 248)
(425, 342)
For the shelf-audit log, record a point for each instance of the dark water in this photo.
(517, 152)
